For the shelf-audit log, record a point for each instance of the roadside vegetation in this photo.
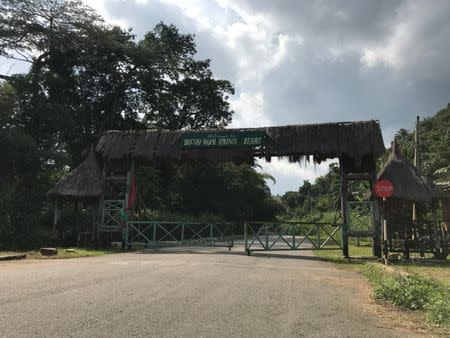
(412, 291)
(420, 285)
(63, 253)
(9, 253)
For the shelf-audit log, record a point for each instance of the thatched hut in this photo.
(442, 190)
(409, 185)
(411, 189)
(82, 185)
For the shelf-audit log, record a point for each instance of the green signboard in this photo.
(223, 139)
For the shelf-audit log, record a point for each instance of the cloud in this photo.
(296, 62)
(249, 111)
(290, 176)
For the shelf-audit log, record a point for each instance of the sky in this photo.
(296, 62)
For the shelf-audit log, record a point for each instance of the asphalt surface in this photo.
(186, 293)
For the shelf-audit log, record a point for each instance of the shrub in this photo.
(438, 309)
(413, 292)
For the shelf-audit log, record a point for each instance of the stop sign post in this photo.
(384, 189)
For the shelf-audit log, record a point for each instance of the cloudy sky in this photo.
(295, 62)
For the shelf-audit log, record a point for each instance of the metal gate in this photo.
(280, 236)
(111, 215)
(156, 234)
(360, 219)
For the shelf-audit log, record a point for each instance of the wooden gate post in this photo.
(344, 210)
(376, 216)
(130, 175)
(55, 219)
(95, 211)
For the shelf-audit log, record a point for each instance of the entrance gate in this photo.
(119, 151)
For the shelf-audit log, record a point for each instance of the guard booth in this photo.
(357, 145)
(413, 225)
(82, 190)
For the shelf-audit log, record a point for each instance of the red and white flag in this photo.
(132, 194)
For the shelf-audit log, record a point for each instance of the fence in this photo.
(156, 233)
(271, 236)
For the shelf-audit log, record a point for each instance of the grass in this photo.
(9, 253)
(431, 269)
(421, 285)
(64, 253)
(356, 263)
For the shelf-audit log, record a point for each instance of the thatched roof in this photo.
(83, 183)
(357, 141)
(408, 183)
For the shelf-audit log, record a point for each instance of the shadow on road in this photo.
(297, 255)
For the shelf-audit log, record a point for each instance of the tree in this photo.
(313, 200)
(91, 77)
(177, 90)
(41, 33)
(30, 26)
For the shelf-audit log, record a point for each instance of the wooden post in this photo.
(385, 234)
(246, 239)
(437, 234)
(75, 219)
(344, 211)
(376, 219)
(55, 219)
(95, 208)
(101, 205)
(130, 174)
(416, 163)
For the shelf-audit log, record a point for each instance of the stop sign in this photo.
(383, 188)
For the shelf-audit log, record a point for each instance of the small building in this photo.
(83, 186)
(411, 210)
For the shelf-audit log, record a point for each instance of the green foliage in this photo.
(314, 202)
(177, 90)
(228, 190)
(18, 220)
(87, 77)
(434, 144)
(412, 291)
(438, 308)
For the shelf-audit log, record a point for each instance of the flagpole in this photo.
(385, 233)
(130, 176)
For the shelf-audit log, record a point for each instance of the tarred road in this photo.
(176, 293)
